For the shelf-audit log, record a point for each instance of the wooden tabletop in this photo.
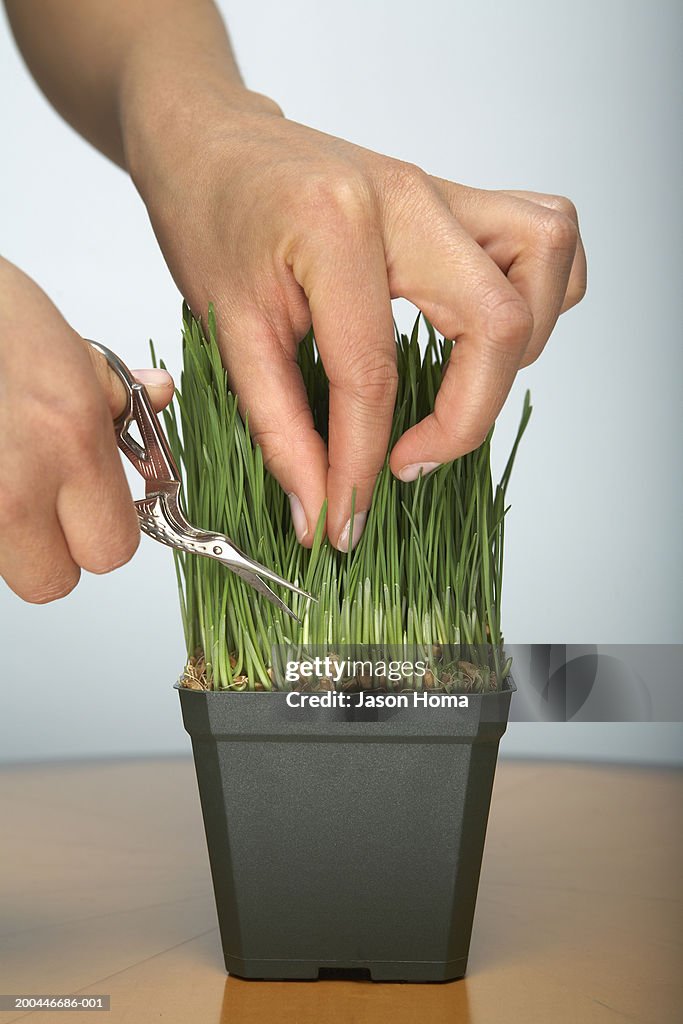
(105, 889)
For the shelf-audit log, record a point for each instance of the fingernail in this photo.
(410, 473)
(298, 517)
(153, 378)
(358, 524)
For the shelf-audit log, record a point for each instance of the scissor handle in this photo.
(153, 459)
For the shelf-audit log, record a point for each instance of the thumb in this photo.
(158, 384)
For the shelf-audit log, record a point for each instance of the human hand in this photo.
(279, 226)
(64, 499)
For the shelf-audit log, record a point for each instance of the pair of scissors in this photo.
(159, 512)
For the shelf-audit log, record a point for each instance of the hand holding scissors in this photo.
(159, 512)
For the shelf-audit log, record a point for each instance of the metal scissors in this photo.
(159, 511)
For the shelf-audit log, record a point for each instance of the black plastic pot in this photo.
(344, 839)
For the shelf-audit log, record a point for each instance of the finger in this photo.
(436, 264)
(35, 560)
(94, 504)
(109, 381)
(534, 245)
(348, 294)
(158, 383)
(466, 203)
(270, 389)
(576, 286)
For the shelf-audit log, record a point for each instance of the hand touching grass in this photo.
(428, 568)
(284, 227)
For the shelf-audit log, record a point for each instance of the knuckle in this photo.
(412, 176)
(53, 588)
(373, 381)
(404, 180)
(565, 206)
(267, 105)
(555, 231)
(279, 445)
(506, 321)
(342, 197)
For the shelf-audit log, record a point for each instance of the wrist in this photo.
(166, 115)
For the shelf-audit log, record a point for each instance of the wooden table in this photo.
(105, 888)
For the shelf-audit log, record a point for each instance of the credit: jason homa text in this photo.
(363, 699)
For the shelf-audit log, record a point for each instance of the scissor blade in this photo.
(236, 559)
(255, 581)
(161, 517)
(230, 554)
(273, 576)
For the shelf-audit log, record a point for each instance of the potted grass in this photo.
(345, 806)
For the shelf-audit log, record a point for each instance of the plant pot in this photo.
(344, 839)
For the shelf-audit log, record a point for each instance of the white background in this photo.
(581, 99)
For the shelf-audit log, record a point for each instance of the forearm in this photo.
(106, 67)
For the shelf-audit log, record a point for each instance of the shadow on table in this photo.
(332, 1001)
